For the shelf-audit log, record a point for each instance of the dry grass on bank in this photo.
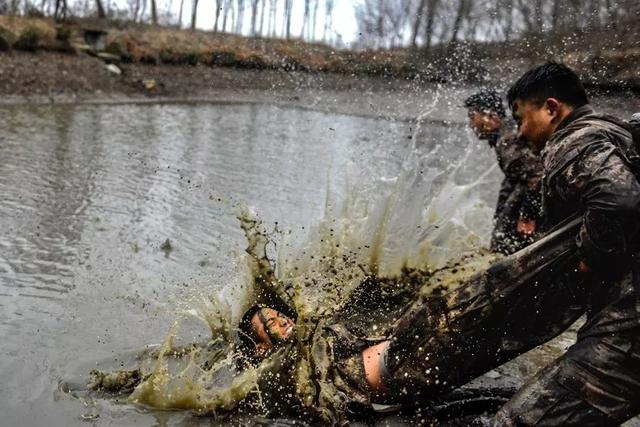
(162, 45)
(595, 56)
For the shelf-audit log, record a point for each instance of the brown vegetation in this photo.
(140, 44)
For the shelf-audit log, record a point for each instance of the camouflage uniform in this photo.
(536, 293)
(587, 166)
(519, 194)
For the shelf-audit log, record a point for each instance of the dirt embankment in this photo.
(44, 61)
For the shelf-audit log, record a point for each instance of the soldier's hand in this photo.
(583, 267)
(526, 226)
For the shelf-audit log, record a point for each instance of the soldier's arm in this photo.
(505, 190)
(523, 168)
(610, 195)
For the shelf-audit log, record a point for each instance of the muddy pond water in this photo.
(113, 216)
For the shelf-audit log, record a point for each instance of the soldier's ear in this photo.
(552, 107)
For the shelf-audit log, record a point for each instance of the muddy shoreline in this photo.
(43, 77)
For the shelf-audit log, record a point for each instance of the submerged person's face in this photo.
(271, 327)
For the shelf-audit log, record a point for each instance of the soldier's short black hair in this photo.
(549, 80)
(486, 101)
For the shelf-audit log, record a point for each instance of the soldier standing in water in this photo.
(517, 210)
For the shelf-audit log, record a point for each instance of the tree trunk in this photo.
(328, 21)
(194, 14)
(60, 12)
(154, 12)
(240, 17)
(288, 4)
(254, 15)
(225, 14)
(263, 4)
(555, 15)
(431, 13)
(537, 14)
(508, 24)
(180, 13)
(417, 22)
(315, 19)
(462, 8)
(274, 15)
(305, 20)
(100, 10)
(216, 15)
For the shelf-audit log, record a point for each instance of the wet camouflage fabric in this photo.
(596, 383)
(531, 296)
(587, 170)
(446, 341)
(589, 167)
(519, 194)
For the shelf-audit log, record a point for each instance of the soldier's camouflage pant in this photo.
(514, 306)
(596, 383)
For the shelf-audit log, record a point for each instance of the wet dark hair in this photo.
(550, 80)
(248, 336)
(486, 101)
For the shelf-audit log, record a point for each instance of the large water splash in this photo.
(388, 232)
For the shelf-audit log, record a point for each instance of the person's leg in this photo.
(596, 383)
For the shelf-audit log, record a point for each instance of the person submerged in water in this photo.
(263, 329)
(294, 354)
(440, 343)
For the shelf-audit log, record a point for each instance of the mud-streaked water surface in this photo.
(113, 215)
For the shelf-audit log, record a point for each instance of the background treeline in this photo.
(380, 23)
(264, 18)
(425, 23)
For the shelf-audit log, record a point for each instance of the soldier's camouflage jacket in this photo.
(536, 293)
(519, 195)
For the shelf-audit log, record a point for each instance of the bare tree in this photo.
(305, 19)
(463, 10)
(263, 6)
(328, 19)
(194, 14)
(537, 14)
(60, 12)
(431, 14)
(508, 21)
(100, 10)
(180, 13)
(218, 5)
(240, 19)
(288, 6)
(134, 9)
(315, 18)
(254, 15)
(154, 12)
(272, 17)
(416, 23)
(229, 15)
